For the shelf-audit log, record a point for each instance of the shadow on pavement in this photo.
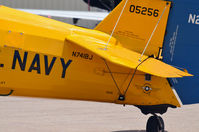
(132, 131)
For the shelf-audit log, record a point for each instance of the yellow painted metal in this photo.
(119, 55)
(86, 78)
(136, 26)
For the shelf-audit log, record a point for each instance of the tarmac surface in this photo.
(48, 115)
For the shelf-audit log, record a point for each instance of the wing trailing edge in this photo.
(125, 57)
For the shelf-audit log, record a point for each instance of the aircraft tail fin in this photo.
(138, 19)
(125, 57)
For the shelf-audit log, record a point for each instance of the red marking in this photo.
(89, 5)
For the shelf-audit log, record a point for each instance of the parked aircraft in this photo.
(108, 5)
(97, 16)
(124, 60)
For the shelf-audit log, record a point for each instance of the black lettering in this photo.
(78, 53)
(155, 14)
(138, 9)
(144, 9)
(81, 55)
(74, 54)
(36, 61)
(150, 11)
(91, 57)
(86, 56)
(47, 67)
(17, 57)
(65, 66)
(132, 8)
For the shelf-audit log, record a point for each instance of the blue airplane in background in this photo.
(181, 47)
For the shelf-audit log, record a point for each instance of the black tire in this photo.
(161, 124)
(153, 124)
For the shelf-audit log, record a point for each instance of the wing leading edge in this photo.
(99, 16)
(127, 58)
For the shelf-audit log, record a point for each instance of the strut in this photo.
(122, 95)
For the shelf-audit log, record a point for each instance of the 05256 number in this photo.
(144, 11)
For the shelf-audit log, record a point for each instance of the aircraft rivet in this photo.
(147, 89)
(121, 98)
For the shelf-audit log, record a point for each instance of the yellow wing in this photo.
(127, 58)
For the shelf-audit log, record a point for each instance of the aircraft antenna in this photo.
(89, 8)
(115, 25)
(113, 77)
(153, 33)
(134, 75)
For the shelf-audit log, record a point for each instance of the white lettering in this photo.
(172, 43)
(192, 19)
(197, 20)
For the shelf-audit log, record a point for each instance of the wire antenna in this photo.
(115, 25)
(152, 34)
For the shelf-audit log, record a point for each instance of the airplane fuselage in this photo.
(74, 76)
(38, 61)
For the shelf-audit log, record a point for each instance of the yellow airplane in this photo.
(117, 62)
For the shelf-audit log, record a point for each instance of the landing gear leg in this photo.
(155, 124)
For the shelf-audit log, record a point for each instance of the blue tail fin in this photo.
(181, 47)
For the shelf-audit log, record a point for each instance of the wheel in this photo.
(161, 124)
(155, 124)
